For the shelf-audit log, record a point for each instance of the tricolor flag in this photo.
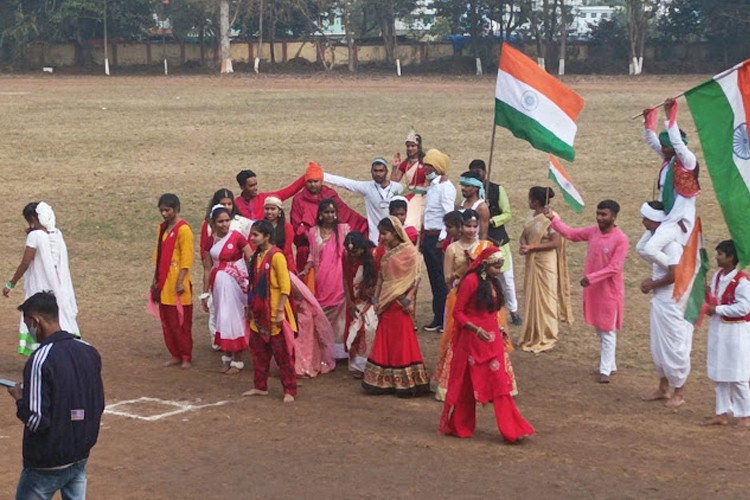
(534, 105)
(721, 111)
(558, 174)
(690, 275)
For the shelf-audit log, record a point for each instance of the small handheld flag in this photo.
(571, 195)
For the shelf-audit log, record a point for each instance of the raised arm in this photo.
(289, 191)
(348, 184)
(649, 130)
(687, 158)
(571, 233)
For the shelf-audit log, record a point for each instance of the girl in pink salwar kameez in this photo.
(324, 270)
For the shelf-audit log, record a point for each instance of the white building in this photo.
(586, 17)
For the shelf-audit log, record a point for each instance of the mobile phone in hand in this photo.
(7, 383)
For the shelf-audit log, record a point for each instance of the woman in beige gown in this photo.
(547, 287)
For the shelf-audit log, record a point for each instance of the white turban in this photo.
(652, 214)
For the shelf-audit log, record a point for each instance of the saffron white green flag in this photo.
(534, 105)
(721, 111)
(571, 195)
(690, 275)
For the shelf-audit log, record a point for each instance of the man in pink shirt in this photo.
(602, 282)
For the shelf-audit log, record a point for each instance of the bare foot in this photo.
(603, 379)
(232, 371)
(255, 392)
(288, 398)
(358, 375)
(657, 395)
(172, 362)
(717, 420)
(186, 365)
(743, 422)
(675, 402)
(225, 367)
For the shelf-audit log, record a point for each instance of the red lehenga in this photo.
(477, 372)
(395, 364)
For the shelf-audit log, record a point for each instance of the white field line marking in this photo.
(15, 93)
(112, 409)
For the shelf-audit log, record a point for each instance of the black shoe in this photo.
(515, 318)
(432, 327)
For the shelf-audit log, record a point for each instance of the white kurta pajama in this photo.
(671, 334)
(728, 350)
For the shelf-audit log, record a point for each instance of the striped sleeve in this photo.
(33, 407)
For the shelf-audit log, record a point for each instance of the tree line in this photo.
(723, 24)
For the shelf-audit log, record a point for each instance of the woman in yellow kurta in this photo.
(547, 287)
(272, 322)
(172, 287)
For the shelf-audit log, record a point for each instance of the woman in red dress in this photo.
(395, 362)
(478, 367)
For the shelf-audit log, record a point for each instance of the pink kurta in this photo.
(604, 298)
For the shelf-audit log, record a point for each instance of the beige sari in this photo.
(546, 290)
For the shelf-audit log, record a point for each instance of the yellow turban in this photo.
(439, 161)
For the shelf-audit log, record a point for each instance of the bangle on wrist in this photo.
(10, 286)
(204, 296)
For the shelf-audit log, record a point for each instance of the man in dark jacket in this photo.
(61, 403)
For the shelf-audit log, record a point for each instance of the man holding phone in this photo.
(60, 402)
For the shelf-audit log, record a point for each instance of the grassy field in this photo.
(101, 151)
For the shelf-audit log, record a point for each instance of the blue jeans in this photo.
(38, 484)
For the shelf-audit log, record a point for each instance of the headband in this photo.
(494, 258)
(274, 202)
(399, 198)
(215, 208)
(470, 181)
(651, 213)
(664, 139)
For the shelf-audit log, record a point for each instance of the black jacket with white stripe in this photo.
(62, 403)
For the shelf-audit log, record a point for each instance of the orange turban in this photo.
(313, 172)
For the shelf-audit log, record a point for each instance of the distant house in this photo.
(586, 17)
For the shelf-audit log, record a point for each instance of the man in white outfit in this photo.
(728, 349)
(678, 183)
(377, 193)
(671, 334)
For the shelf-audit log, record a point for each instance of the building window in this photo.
(593, 15)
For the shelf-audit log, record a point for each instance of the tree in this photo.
(724, 25)
(638, 14)
(75, 20)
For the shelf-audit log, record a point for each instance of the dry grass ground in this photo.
(102, 150)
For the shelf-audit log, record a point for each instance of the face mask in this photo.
(431, 176)
(32, 331)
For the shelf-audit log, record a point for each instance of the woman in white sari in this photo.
(44, 267)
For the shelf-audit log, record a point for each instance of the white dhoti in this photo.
(671, 340)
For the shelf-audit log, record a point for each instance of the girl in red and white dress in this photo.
(225, 198)
(225, 282)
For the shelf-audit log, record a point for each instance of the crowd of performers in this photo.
(326, 284)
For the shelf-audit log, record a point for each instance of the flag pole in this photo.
(658, 105)
(489, 162)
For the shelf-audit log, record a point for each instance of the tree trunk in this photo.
(272, 29)
(349, 35)
(226, 61)
(563, 39)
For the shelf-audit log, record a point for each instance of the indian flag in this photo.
(571, 195)
(721, 111)
(534, 105)
(690, 275)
